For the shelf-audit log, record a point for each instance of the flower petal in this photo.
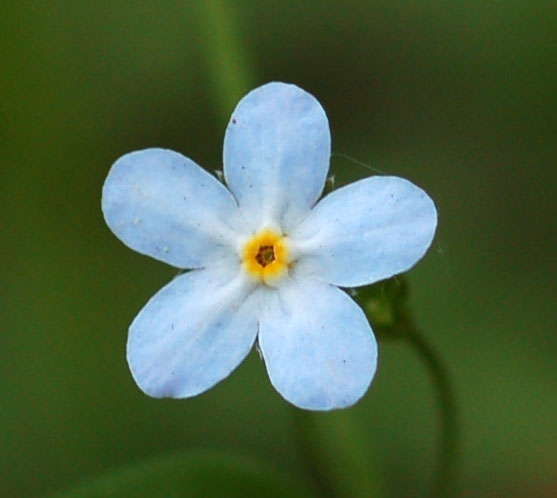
(367, 231)
(162, 204)
(192, 334)
(276, 153)
(319, 349)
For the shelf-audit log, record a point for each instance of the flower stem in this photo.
(386, 306)
(227, 59)
(303, 428)
(443, 483)
(337, 453)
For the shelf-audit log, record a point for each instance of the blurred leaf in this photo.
(192, 475)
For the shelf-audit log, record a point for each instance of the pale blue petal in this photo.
(162, 204)
(319, 349)
(276, 154)
(367, 231)
(192, 334)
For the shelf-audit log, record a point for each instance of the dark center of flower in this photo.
(265, 255)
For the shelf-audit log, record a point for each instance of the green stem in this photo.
(228, 62)
(337, 454)
(443, 484)
(304, 439)
(385, 305)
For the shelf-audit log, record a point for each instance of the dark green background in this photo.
(457, 96)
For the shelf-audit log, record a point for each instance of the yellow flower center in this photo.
(266, 257)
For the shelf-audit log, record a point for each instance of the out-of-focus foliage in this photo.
(193, 475)
(456, 96)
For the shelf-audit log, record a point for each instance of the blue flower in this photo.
(266, 257)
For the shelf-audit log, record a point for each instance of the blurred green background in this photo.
(457, 96)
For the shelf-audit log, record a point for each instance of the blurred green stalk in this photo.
(443, 484)
(337, 454)
(229, 67)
